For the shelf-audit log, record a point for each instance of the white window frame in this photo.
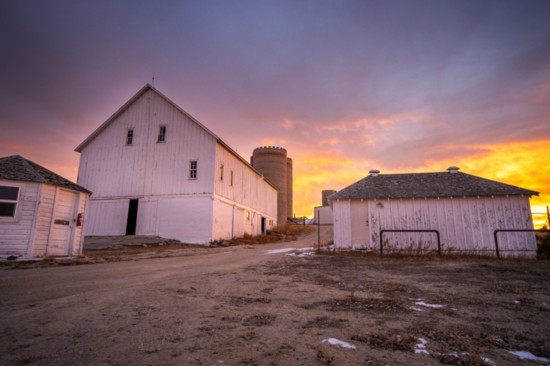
(193, 169)
(16, 202)
(162, 134)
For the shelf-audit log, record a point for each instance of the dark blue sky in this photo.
(396, 85)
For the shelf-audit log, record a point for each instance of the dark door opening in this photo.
(263, 225)
(132, 217)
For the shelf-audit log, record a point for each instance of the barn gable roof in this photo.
(427, 185)
(127, 105)
(138, 95)
(17, 168)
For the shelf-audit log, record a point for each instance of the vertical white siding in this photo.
(248, 192)
(15, 233)
(43, 221)
(112, 169)
(466, 225)
(170, 203)
(19, 238)
(341, 211)
(359, 224)
(187, 219)
(77, 243)
(106, 217)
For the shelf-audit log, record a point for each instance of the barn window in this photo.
(247, 216)
(221, 171)
(162, 134)
(130, 137)
(8, 200)
(231, 178)
(193, 169)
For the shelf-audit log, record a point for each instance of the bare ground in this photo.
(242, 306)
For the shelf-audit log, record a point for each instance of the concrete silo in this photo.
(272, 163)
(289, 210)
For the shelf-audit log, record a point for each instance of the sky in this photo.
(344, 86)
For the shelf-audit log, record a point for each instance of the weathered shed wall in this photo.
(466, 225)
(15, 233)
(29, 234)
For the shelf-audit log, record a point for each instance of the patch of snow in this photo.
(421, 347)
(278, 251)
(524, 355)
(415, 308)
(517, 302)
(337, 342)
(488, 361)
(303, 252)
(419, 302)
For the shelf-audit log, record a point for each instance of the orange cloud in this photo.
(524, 164)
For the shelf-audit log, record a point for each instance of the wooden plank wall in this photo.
(15, 233)
(466, 225)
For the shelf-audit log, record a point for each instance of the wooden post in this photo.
(548, 217)
(319, 229)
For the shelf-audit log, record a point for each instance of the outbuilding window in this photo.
(8, 200)
(193, 169)
(130, 137)
(162, 134)
(221, 171)
(231, 178)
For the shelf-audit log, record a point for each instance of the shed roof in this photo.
(427, 185)
(17, 168)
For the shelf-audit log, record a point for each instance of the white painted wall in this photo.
(171, 204)
(325, 215)
(28, 235)
(15, 233)
(248, 189)
(465, 224)
(112, 169)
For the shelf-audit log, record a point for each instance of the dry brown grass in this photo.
(288, 232)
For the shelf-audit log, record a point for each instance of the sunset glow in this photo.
(344, 87)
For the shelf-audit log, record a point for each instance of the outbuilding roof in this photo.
(427, 185)
(17, 168)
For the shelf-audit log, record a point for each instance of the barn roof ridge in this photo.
(427, 185)
(135, 97)
(17, 168)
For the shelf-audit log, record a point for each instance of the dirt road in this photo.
(256, 305)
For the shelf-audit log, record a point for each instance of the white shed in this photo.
(41, 213)
(409, 212)
(156, 170)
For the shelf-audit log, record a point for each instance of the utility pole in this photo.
(548, 217)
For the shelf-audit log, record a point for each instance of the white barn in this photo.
(41, 213)
(155, 170)
(462, 209)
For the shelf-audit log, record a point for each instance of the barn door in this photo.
(62, 228)
(132, 217)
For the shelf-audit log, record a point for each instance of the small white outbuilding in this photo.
(41, 213)
(410, 212)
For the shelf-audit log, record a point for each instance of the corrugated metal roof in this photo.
(427, 185)
(17, 168)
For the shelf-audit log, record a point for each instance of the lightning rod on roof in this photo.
(153, 80)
